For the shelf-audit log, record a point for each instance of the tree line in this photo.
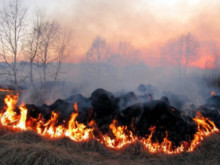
(38, 40)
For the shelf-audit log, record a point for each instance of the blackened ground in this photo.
(140, 117)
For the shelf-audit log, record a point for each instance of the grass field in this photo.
(29, 148)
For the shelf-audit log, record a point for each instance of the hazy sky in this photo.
(147, 24)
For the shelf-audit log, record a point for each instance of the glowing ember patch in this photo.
(16, 118)
(75, 106)
(5, 90)
(212, 93)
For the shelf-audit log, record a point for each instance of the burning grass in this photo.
(28, 140)
(16, 119)
(30, 148)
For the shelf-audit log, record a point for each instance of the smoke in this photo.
(166, 81)
(147, 26)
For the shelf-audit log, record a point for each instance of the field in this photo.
(29, 148)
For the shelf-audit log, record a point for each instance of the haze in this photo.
(146, 24)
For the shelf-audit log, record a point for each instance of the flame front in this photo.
(205, 127)
(77, 131)
(120, 136)
(165, 146)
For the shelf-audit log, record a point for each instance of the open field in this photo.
(29, 148)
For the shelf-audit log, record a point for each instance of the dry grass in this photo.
(29, 148)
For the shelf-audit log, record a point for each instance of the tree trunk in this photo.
(44, 73)
(57, 72)
(15, 81)
(31, 72)
(45, 64)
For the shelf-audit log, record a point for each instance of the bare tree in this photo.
(191, 46)
(47, 44)
(172, 51)
(61, 49)
(126, 54)
(35, 41)
(97, 54)
(12, 20)
(180, 51)
(50, 31)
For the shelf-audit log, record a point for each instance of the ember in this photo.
(18, 118)
(5, 90)
(212, 93)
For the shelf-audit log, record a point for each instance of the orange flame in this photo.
(23, 118)
(205, 128)
(121, 138)
(76, 131)
(165, 146)
(9, 116)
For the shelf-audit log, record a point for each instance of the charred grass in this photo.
(29, 148)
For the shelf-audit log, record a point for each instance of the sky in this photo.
(146, 24)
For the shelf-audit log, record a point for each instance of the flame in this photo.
(9, 116)
(122, 136)
(117, 137)
(23, 118)
(205, 127)
(165, 146)
(77, 131)
(49, 128)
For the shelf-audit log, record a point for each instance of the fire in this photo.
(117, 137)
(165, 146)
(23, 118)
(77, 131)
(50, 129)
(205, 127)
(122, 136)
(5, 90)
(9, 116)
